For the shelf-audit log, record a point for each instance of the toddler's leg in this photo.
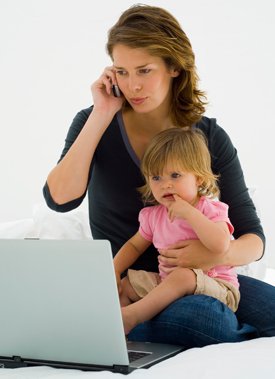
(128, 294)
(180, 282)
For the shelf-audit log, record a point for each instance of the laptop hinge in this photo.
(14, 362)
(121, 369)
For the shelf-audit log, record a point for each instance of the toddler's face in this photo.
(171, 181)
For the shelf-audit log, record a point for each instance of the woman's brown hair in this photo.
(160, 34)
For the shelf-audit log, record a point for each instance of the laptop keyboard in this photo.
(135, 355)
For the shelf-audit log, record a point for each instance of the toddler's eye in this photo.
(155, 178)
(175, 175)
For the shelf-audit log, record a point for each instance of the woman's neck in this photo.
(148, 123)
(141, 128)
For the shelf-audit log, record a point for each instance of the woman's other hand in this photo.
(189, 254)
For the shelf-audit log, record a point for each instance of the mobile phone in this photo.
(116, 90)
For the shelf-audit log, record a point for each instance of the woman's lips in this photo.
(137, 100)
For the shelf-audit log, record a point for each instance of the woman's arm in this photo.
(244, 250)
(248, 245)
(68, 180)
(193, 254)
(233, 189)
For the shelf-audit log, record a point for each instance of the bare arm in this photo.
(68, 180)
(244, 250)
(192, 254)
(130, 252)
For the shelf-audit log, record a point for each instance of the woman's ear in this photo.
(175, 72)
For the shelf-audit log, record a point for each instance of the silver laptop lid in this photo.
(58, 303)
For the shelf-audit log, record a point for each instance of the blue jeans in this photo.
(199, 320)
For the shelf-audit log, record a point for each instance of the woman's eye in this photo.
(144, 70)
(121, 72)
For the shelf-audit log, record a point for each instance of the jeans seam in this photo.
(189, 329)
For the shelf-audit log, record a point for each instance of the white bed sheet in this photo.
(253, 359)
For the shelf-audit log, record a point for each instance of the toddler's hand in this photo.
(177, 208)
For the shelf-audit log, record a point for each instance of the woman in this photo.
(154, 67)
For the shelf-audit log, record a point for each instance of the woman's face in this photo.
(144, 79)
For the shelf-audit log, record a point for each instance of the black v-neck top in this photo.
(114, 202)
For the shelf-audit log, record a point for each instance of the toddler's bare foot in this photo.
(129, 319)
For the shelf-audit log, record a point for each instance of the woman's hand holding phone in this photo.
(106, 93)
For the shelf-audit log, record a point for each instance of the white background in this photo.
(52, 50)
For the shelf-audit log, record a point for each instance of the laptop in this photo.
(60, 307)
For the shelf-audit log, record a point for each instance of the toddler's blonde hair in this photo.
(184, 149)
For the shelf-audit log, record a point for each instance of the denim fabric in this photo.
(257, 306)
(199, 320)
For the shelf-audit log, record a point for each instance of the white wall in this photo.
(52, 50)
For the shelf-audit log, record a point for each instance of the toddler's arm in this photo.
(130, 252)
(215, 236)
